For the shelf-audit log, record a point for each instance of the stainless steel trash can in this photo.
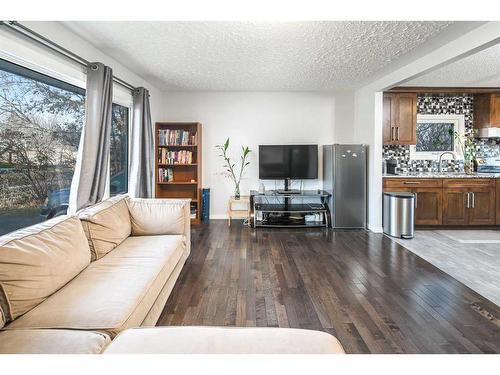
(398, 214)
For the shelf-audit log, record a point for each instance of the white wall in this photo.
(253, 118)
(343, 115)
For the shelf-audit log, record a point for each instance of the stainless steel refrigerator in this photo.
(344, 177)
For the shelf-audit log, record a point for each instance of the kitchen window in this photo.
(435, 135)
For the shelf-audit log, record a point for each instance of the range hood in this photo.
(488, 133)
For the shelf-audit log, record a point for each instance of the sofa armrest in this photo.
(151, 217)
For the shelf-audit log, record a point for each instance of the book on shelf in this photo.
(165, 175)
(176, 137)
(174, 157)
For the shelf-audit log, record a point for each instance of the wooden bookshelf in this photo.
(186, 182)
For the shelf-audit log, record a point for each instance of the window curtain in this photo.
(141, 146)
(91, 172)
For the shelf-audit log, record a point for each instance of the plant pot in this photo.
(237, 192)
(468, 167)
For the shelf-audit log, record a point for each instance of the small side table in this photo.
(242, 212)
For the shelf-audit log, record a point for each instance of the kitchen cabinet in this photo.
(428, 198)
(457, 202)
(486, 111)
(469, 202)
(498, 201)
(399, 118)
(455, 206)
(482, 206)
(428, 206)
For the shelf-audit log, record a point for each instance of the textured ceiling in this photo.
(481, 69)
(257, 55)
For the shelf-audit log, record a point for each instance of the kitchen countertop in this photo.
(442, 175)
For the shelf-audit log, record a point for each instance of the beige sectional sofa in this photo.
(83, 284)
(71, 284)
(223, 340)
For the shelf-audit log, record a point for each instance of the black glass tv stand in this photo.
(302, 209)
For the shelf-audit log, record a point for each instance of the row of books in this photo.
(176, 137)
(165, 174)
(174, 157)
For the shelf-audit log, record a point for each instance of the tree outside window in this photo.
(41, 121)
(119, 150)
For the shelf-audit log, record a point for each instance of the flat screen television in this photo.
(284, 162)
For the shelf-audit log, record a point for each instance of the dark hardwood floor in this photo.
(372, 294)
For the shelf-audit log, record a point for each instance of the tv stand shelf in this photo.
(276, 207)
(305, 209)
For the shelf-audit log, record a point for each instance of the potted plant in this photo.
(468, 148)
(234, 175)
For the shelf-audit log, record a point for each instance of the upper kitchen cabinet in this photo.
(400, 118)
(486, 111)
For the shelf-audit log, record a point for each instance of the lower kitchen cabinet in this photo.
(428, 206)
(452, 201)
(498, 201)
(469, 202)
(482, 207)
(455, 206)
(428, 198)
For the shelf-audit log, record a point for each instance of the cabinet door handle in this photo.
(473, 199)
(392, 133)
(416, 199)
(468, 200)
(411, 182)
(397, 133)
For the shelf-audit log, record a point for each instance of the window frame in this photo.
(127, 166)
(459, 126)
(27, 73)
(65, 75)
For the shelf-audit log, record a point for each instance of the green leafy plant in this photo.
(230, 167)
(467, 145)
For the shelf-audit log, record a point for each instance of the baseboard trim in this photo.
(375, 229)
(218, 217)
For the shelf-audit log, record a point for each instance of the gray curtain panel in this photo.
(141, 147)
(91, 172)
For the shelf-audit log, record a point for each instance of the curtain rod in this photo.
(47, 43)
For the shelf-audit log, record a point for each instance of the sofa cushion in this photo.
(52, 341)
(106, 224)
(114, 293)
(37, 261)
(158, 216)
(223, 340)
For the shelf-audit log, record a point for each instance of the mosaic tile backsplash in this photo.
(434, 105)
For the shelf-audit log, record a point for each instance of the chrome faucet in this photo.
(441, 158)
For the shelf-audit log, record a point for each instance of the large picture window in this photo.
(41, 119)
(119, 150)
